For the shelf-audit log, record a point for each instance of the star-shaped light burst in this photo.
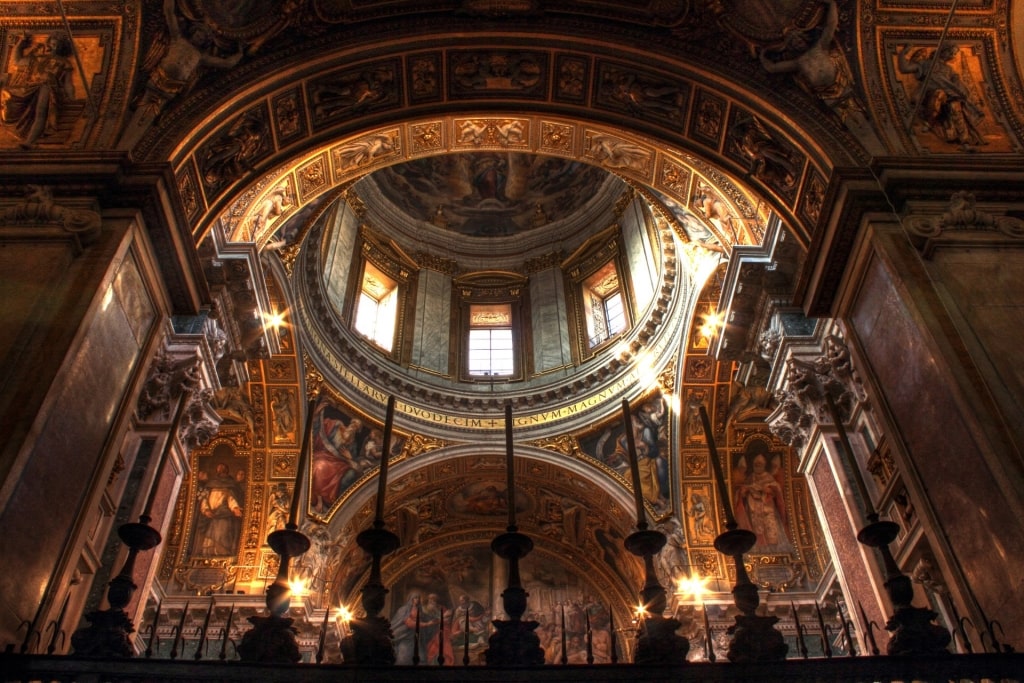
(692, 588)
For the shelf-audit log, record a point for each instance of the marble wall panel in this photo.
(643, 266)
(339, 259)
(985, 287)
(432, 334)
(949, 455)
(551, 348)
(52, 486)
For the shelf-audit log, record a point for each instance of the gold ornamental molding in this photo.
(260, 210)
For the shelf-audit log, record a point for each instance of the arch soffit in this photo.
(700, 125)
(442, 479)
(449, 467)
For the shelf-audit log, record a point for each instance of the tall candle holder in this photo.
(109, 631)
(272, 638)
(657, 641)
(514, 642)
(754, 637)
(370, 641)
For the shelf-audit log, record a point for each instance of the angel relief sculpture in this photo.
(38, 86)
(758, 483)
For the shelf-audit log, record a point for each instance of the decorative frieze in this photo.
(962, 221)
(39, 210)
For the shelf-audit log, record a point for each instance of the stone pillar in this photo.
(802, 420)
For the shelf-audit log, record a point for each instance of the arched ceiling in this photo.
(491, 194)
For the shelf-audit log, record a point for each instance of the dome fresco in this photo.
(493, 193)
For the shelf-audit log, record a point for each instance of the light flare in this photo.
(273, 320)
(345, 614)
(297, 587)
(693, 587)
(711, 323)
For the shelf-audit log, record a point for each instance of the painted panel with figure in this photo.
(608, 445)
(344, 448)
(220, 492)
(464, 587)
(758, 486)
(42, 92)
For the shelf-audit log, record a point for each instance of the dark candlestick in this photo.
(382, 479)
(634, 466)
(513, 642)
(510, 484)
(753, 637)
(611, 632)
(590, 638)
(723, 491)
(416, 637)
(440, 639)
(565, 655)
(323, 636)
(293, 511)
(272, 638)
(465, 634)
(709, 641)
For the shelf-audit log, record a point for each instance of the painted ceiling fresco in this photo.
(494, 193)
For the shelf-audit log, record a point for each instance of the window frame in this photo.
(392, 293)
(593, 301)
(600, 252)
(371, 252)
(491, 289)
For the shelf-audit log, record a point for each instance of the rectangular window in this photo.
(603, 305)
(615, 314)
(491, 346)
(377, 308)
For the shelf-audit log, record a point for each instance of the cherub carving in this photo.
(747, 398)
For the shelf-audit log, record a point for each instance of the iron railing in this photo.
(1003, 667)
